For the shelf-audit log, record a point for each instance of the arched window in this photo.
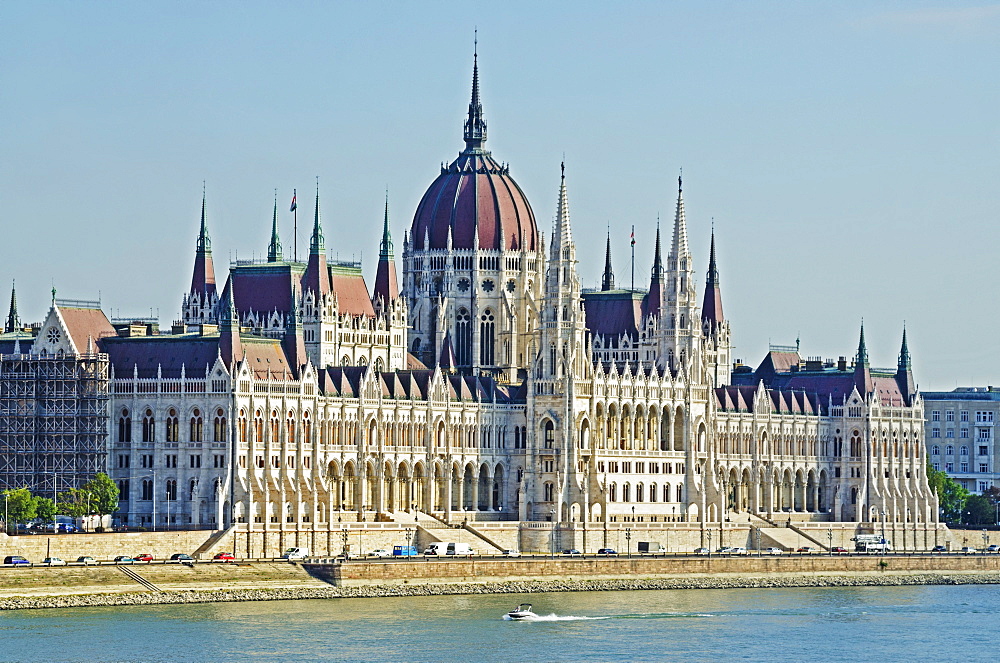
(666, 492)
(552, 358)
(626, 493)
(463, 337)
(258, 427)
(936, 450)
(148, 427)
(613, 493)
(639, 493)
(964, 450)
(487, 338)
(680, 493)
(306, 428)
(950, 450)
(549, 491)
(550, 435)
(197, 426)
(147, 489)
(192, 487)
(123, 488)
(275, 428)
(652, 493)
(171, 492)
(173, 431)
(219, 429)
(125, 427)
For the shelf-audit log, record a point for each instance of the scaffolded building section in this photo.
(53, 421)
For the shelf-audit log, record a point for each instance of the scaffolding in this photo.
(54, 421)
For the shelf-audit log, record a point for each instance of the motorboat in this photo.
(522, 611)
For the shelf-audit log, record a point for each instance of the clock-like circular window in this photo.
(488, 285)
(54, 336)
(463, 284)
(511, 286)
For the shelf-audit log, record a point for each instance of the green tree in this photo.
(103, 494)
(951, 495)
(20, 505)
(980, 510)
(45, 509)
(75, 502)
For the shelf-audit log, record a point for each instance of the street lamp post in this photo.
(552, 535)
(829, 536)
(883, 533)
(628, 541)
(409, 539)
(986, 540)
(709, 533)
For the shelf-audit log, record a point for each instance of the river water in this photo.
(850, 624)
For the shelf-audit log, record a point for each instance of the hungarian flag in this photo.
(633, 235)
(294, 205)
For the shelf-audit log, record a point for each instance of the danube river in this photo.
(849, 624)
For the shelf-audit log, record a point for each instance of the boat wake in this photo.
(552, 618)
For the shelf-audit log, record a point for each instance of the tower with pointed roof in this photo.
(680, 328)
(200, 304)
(714, 326)
(608, 278)
(386, 284)
(13, 323)
(274, 247)
(317, 318)
(473, 266)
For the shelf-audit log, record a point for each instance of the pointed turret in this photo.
(562, 234)
(904, 371)
(475, 125)
(656, 289)
(386, 284)
(446, 360)
(13, 320)
(203, 278)
(317, 277)
(230, 347)
(862, 369)
(711, 307)
(679, 245)
(274, 248)
(608, 280)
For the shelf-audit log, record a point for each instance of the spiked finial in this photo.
(274, 248)
(385, 248)
(204, 242)
(475, 126)
(608, 281)
(317, 242)
(13, 320)
(904, 354)
(679, 246)
(713, 270)
(862, 358)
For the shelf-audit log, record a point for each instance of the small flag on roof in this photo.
(633, 236)
(294, 205)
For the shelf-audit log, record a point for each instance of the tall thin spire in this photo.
(862, 371)
(608, 281)
(862, 357)
(13, 320)
(316, 241)
(904, 354)
(679, 246)
(711, 307)
(203, 276)
(475, 125)
(654, 304)
(274, 248)
(386, 284)
(562, 234)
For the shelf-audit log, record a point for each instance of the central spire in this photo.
(475, 126)
(679, 246)
(14, 320)
(316, 242)
(608, 280)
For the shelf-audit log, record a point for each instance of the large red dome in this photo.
(474, 195)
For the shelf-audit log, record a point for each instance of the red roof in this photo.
(475, 194)
(86, 324)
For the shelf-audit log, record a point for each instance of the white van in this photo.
(459, 549)
(295, 553)
(436, 548)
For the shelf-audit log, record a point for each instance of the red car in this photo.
(838, 549)
(224, 557)
(145, 557)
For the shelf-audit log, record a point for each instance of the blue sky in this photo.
(847, 151)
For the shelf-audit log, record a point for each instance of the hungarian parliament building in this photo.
(483, 385)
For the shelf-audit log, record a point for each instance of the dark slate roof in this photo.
(612, 313)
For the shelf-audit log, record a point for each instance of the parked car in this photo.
(969, 550)
(738, 550)
(838, 549)
(607, 551)
(939, 549)
(182, 557)
(380, 552)
(15, 560)
(806, 549)
(224, 557)
(571, 551)
(511, 553)
(86, 560)
(53, 561)
(295, 553)
(992, 548)
(773, 551)
(144, 557)
(724, 549)
(701, 551)
(123, 559)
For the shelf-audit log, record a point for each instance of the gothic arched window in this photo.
(173, 434)
(148, 427)
(487, 338)
(197, 426)
(125, 427)
(463, 337)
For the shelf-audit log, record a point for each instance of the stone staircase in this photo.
(787, 538)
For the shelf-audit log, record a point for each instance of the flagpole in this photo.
(295, 229)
